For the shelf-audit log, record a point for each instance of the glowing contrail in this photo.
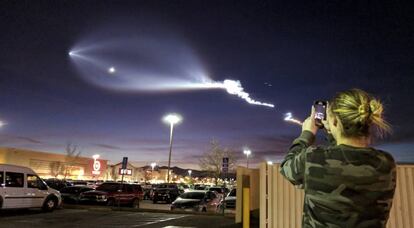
(235, 88)
(289, 118)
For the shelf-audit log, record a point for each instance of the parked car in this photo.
(91, 184)
(197, 200)
(72, 194)
(200, 187)
(229, 201)
(21, 187)
(112, 193)
(165, 192)
(184, 187)
(58, 184)
(147, 191)
(220, 190)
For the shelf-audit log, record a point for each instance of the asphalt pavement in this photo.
(106, 218)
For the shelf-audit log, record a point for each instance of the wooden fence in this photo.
(281, 203)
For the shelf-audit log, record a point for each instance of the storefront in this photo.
(53, 165)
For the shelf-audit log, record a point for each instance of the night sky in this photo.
(305, 51)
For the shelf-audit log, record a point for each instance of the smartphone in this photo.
(320, 112)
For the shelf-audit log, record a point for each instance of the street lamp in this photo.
(95, 156)
(2, 123)
(247, 152)
(171, 119)
(153, 164)
(189, 172)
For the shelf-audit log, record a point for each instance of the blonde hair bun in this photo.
(359, 112)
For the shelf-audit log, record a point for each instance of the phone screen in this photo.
(320, 112)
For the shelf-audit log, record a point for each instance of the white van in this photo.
(20, 187)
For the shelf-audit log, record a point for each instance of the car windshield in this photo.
(193, 195)
(233, 192)
(108, 187)
(218, 190)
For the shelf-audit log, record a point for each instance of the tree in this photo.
(212, 160)
(72, 154)
(57, 168)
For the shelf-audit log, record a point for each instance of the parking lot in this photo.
(105, 217)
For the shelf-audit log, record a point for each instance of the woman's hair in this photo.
(360, 113)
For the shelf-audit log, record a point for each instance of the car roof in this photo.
(197, 191)
(78, 186)
(16, 168)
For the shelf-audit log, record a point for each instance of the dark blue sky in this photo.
(307, 51)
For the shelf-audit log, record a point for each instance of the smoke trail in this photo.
(289, 118)
(235, 88)
(150, 61)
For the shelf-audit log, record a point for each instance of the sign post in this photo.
(225, 169)
(124, 166)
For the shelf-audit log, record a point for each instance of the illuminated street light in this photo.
(171, 119)
(247, 152)
(269, 162)
(2, 123)
(153, 165)
(189, 172)
(95, 156)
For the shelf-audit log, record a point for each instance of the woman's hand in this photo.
(309, 123)
(325, 122)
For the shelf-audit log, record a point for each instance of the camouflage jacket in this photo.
(344, 186)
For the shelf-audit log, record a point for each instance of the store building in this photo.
(53, 165)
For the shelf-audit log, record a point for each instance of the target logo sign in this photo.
(96, 167)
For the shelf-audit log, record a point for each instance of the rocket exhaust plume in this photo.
(234, 87)
(289, 118)
(150, 61)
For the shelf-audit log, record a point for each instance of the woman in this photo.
(349, 183)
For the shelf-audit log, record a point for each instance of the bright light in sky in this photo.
(111, 70)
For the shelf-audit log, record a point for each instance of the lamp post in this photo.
(247, 152)
(171, 119)
(153, 164)
(189, 172)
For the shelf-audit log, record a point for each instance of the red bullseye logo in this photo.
(96, 167)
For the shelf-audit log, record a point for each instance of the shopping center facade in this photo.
(55, 165)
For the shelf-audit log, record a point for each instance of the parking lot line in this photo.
(160, 220)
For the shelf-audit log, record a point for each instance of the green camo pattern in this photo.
(344, 186)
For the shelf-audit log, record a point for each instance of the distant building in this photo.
(131, 173)
(53, 165)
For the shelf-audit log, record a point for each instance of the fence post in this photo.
(246, 207)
